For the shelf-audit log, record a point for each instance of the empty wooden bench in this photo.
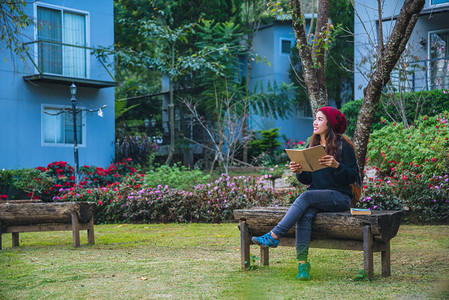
(341, 230)
(23, 216)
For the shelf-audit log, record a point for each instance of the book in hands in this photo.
(360, 211)
(308, 158)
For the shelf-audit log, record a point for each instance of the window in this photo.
(286, 46)
(439, 57)
(57, 127)
(435, 2)
(61, 35)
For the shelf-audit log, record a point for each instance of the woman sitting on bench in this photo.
(329, 189)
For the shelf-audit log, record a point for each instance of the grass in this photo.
(202, 261)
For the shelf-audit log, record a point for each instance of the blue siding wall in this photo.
(267, 44)
(21, 102)
(366, 34)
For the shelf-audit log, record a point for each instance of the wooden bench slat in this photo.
(24, 216)
(339, 230)
(342, 225)
(38, 213)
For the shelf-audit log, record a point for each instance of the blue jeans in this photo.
(303, 211)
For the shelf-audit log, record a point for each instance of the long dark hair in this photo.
(332, 140)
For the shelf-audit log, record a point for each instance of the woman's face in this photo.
(320, 123)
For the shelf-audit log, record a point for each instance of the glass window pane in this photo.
(52, 126)
(68, 127)
(439, 56)
(74, 34)
(286, 46)
(59, 129)
(50, 34)
(439, 1)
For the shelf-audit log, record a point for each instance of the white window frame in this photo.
(280, 46)
(81, 115)
(63, 9)
(429, 73)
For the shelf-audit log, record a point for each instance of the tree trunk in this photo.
(312, 58)
(396, 44)
(42, 213)
(171, 120)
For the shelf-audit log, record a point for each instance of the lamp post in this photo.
(74, 112)
(75, 135)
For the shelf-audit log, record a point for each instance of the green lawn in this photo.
(185, 261)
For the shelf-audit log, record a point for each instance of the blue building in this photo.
(424, 64)
(35, 99)
(274, 42)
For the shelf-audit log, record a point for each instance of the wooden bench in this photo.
(24, 216)
(341, 230)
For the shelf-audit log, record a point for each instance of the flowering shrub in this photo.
(427, 197)
(423, 147)
(132, 201)
(273, 172)
(63, 176)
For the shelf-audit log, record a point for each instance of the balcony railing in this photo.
(61, 63)
(421, 75)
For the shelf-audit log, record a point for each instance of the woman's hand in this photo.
(330, 161)
(295, 168)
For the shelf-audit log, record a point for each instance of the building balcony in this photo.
(60, 63)
(428, 74)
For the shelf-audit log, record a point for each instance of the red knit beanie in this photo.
(336, 118)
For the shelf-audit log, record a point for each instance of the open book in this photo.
(308, 158)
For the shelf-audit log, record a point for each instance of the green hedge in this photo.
(431, 103)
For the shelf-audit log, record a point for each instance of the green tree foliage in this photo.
(190, 11)
(266, 142)
(133, 80)
(13, 21)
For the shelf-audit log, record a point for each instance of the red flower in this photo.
(434, 159)
(89, 191)
(100, 202)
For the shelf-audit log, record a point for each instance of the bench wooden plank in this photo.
(24, 216)
(343, 225)
(40, 213)
(329, 230)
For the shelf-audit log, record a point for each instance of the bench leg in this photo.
(244, 245)
(385, 258)
(368, 251)
(75, 230)
(15, 239)
(264, 256)
(90, 232)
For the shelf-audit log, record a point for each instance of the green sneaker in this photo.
(303, 271)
